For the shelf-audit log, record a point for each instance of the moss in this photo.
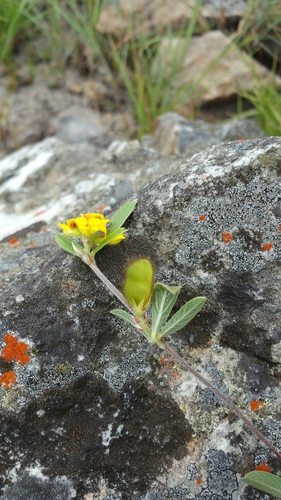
(63, 368)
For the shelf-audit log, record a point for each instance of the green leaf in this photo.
(265, 481)
(183, 316)
(121, 215)
(123, 315)
(66, 243)
(164, 298)
(107, 240)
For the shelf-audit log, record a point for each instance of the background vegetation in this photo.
(64, 33)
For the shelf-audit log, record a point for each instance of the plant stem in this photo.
(110, 285)
(224, 398)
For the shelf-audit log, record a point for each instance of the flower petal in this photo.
(117, 240)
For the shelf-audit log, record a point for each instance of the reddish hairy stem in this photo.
(92, 264)
(224, 398)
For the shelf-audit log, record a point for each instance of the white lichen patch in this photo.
(98, 182)
(19, 298)
(129, 369)
(36, 470)
(108, 436)
(20, 218)
(72, 313)
(276, 352)
(36, 476)
(40, 413)
(22, 164)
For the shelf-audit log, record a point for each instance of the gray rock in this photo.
(234, 73)
(73, 129)
(117, 18)
(95, 408)
(49, 180)
(175, 135)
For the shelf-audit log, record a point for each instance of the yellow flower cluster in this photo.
(93, 227)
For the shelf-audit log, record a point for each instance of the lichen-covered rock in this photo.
(96, 414)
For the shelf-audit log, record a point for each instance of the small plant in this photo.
(149, 305)
(81, 17)
(260, 29)
(153, 90)
(266, 101)
(139, 291)
(16, 25)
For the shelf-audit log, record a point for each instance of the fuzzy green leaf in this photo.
(66, 243)
(185, 314)
(121, 215)
(123, 315)
(164, 298)
(265, 481)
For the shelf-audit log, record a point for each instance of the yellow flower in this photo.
(70, 228)
(87, 225)
(92, 225)
(92, 228)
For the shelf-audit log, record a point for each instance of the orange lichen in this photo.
(14, 350)
(201, 217)
(279, 228)
(13, 241)
(255, 405)
(267, 247)
(242, 140)
(264, 467)
(199, 481)
(8, 379)
(227, 237)
(40, 213)
(101, 208)
(162, 360)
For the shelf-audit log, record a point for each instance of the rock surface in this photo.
(37, 111)
(234, 72)
(95, 414)
(117, 19)
(46, 180)
(175, 135)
